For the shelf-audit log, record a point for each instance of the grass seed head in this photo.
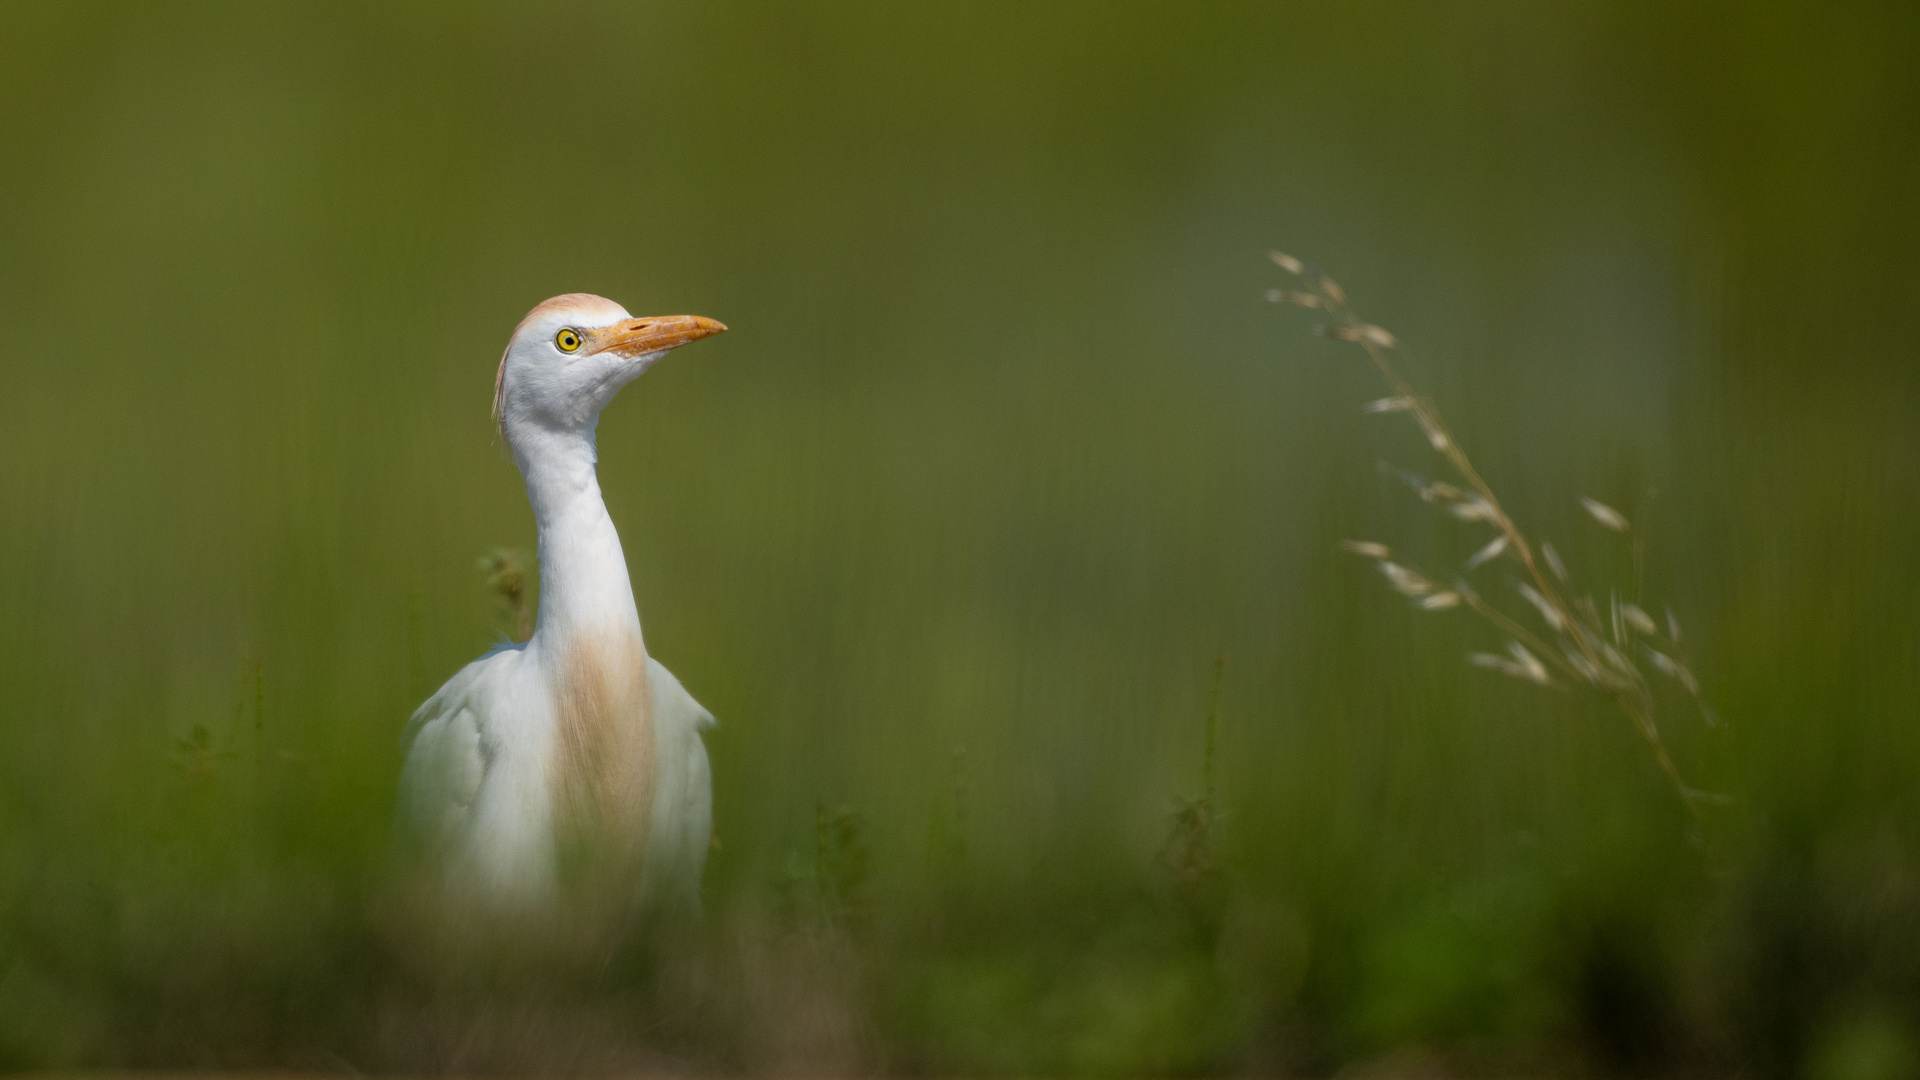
(1672, 669)
(1488, 660)
(1549, 613)
(1579, 662)
(1553, 560)
(1493, 550)
(1606, 515)
(1522, 665)
(1289, 296)
(1576, 626)
(1535, 670)
(1618, 661)
(1472, 508)
(1406, 582)
(1640, 621)
(1432, 491)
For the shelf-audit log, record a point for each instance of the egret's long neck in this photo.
(583, 573)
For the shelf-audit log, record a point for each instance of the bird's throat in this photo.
(584, 587)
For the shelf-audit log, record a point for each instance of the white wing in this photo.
(442, 776)
(682, 826)
(471, 796)
(444, 763)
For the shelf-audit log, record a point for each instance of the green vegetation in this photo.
(1058, 734)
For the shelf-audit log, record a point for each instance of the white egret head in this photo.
(572, 354)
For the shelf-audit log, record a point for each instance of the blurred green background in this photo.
(1004, 457)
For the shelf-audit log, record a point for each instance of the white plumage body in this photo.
(478, 791)
(575, 739)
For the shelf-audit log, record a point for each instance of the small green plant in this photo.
(830, 889)
(840, 866)
(1189, 854)
(948, 825)
(1570, 642)
(198, 755)
(507, 577)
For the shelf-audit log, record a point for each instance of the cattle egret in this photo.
(574, 754)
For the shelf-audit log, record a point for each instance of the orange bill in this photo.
(636, 337)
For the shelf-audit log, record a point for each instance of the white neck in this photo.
(583, 573)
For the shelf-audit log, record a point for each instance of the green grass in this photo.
(1002, 457)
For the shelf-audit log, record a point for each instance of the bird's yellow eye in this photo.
(568, 340)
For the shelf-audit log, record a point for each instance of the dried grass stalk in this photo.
(1570, 639)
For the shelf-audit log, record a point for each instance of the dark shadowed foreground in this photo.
(1059, 736)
